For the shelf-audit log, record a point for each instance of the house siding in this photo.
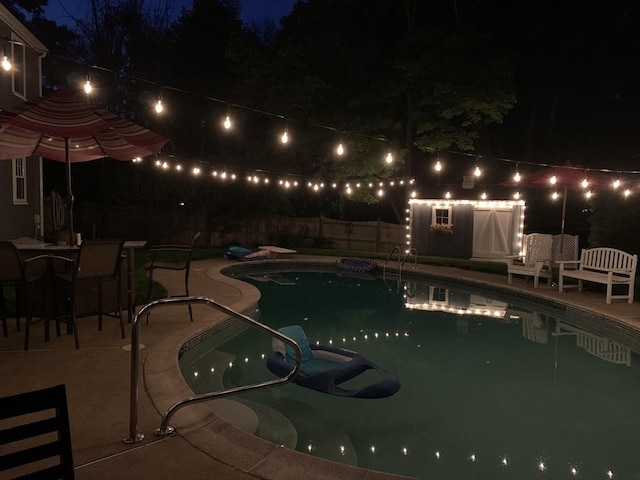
(19, 220)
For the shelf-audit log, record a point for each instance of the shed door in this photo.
(492, 230)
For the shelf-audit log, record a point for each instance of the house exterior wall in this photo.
(20, 220)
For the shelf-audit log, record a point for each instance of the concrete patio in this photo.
(97, 377)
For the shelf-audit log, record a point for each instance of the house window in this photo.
(441, 216)
(18, 68)
(19, 181)
(438, 296)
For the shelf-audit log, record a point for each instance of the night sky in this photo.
(64, 11)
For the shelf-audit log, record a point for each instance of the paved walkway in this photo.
(97, 377)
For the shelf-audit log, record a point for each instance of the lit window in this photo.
(441, 216)
(19, 181)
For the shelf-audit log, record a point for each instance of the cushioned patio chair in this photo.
(35, 438)
(176, 257)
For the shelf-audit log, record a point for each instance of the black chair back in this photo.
(37, 438)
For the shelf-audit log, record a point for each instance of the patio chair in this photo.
(46, 295)
(96, 270)
(565, 248)
(35, 436)
(176, 257)
(11, 276)
(536, 261)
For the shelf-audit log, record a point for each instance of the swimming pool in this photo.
(492, 386)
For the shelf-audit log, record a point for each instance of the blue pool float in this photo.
(356, 264)
(324, 368)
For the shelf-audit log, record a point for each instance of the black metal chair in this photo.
(11, 276)
(176, 257)
(35, 436)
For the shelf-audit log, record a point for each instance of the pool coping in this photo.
(203, 430)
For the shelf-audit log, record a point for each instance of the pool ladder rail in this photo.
(165, 429)
(400, 262)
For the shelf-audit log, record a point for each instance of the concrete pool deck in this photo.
(97, 377)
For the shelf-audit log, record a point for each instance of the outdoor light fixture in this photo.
(285, 136)
(554, 195)
(389, 158)
(340, 149)
(438, 166)
(6, 64)
(585, 182)
(159, 106)
(554, 179)
(88, 88)
(517, 177)
(227, 122)
(616, 183)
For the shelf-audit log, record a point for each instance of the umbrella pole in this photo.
(564, 213)
(70, 193)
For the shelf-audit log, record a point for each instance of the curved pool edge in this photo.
(250, 454)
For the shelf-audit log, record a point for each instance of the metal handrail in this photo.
(384, 266)
(411, 251)
(165, 429)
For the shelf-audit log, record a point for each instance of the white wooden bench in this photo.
(608, 266)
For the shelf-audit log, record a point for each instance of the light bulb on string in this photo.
(438, 166)
(627, 192)
(227, 122)
(588, 194)
(517, 177)
(447, 195)
(88, 88)
(516, 195)
(159, 107)
(585, 182)
(554, 179)
(340, 149)
(389, 158)
(555, 195)
(477, 172)
(616, 183)
(284, 138)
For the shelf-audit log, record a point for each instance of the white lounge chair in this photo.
(536, 259)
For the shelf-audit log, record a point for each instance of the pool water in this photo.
(492, 387)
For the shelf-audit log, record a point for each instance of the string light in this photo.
(389, 158)
(555, 195)
(585, 182)
(159, 106)
(284, 138)
(88, 88)
(554, 178)
(438, 166)
(227, 122)
(477, 172)
(340, 149)
(517, 177)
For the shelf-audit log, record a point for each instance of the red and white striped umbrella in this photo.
(64, 126)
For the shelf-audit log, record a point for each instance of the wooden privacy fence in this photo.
(291, 232)
(321, 232)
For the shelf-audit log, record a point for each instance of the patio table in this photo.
(30, 247)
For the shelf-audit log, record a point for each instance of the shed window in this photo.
(19, 181)
(441, 216)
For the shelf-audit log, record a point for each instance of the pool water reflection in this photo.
(492, 387)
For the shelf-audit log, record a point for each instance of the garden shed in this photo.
(466, 228)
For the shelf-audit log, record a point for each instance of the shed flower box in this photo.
(442, 228)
